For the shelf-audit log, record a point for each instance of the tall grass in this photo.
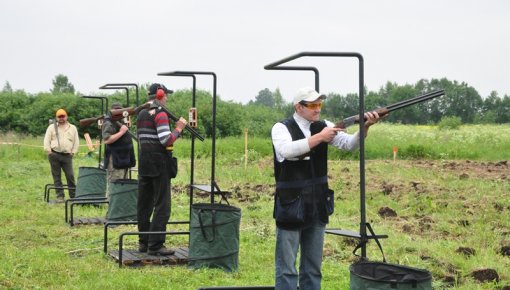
(439, 209)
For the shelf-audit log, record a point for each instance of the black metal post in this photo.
(125, 86)
(192, 160)
(213, 162)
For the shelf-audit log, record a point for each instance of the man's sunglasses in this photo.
(312, 106)
(61, 116)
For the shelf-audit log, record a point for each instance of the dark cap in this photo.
(153, 89)
(116, 106)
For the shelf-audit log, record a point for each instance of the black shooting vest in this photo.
(306, 177)
(121, 151)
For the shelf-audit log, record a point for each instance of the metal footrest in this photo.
(88, 221)
(353, 234)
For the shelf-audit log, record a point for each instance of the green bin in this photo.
(214, 236)
(123, 194)
(91, 183)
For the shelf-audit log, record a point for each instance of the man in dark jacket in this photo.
(303, 199)
(155, 141)
(119, 150)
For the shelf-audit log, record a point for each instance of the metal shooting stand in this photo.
(90, 186)
(181, 255)
(362, 235)
(213, 188)
(124, 86)
(133, 257)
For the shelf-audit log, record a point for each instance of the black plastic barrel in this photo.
(377, 275)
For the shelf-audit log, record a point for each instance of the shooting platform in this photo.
(133, 258)
(362, 235)
(87, 221)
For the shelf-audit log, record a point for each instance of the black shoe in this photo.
(163, 251)
(142, 248)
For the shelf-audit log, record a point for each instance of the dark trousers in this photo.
(154, 199)
(59, 163)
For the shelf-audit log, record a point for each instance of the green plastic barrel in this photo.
(91, 183)
(214, 236)
(123, 195)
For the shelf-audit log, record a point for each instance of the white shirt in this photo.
(285, 148)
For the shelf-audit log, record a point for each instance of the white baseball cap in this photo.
(307, 94)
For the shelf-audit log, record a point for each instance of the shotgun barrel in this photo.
(398, 105)
(175, 119)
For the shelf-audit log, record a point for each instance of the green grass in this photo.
(442, 203)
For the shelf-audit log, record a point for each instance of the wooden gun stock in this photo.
(385, 111)
(116, 115)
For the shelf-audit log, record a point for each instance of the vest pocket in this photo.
(290, 210)
(330, 201)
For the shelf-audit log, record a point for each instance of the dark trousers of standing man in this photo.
(62, 162)
(153, 199)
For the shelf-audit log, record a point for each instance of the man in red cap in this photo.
(155, 141)
(61, 142)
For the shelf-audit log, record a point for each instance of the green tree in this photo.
(265, 98)
(279, 102)
(62, 85)
(7, 87)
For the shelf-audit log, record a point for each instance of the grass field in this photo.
(447, 211)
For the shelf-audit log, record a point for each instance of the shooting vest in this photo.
(305, 177)
(121, 151)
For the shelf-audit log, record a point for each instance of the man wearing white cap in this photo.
(303, 200)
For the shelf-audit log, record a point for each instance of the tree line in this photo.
(30, 113)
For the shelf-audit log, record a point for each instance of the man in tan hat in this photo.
(61, 142)
(303, 198)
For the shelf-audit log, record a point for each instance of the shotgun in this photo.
(385, 110)
(117, 114)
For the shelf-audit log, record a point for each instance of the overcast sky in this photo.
(94, 42)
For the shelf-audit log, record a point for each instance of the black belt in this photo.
(60, 153)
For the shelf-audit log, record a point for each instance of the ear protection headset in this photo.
(160, 93)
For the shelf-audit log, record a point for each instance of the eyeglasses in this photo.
(61, 116)
(312, 106)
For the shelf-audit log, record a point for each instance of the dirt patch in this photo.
(466, 251)
(505, 251)
(485, 275)
(472, 169)
(386, 212)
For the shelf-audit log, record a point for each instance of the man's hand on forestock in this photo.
(181, 124)
(370, 119)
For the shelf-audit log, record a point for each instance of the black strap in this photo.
(222, 193)
(202, 228)
(56, 132)
(377, 241)
(363, 242)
